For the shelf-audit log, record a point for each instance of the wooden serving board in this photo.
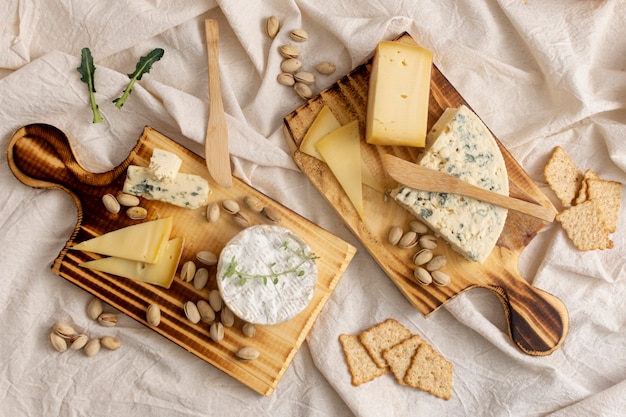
(538, 321)
(41, 156)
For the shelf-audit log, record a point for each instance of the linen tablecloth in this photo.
(539, 74)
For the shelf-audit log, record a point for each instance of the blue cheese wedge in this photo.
(164, 165)
(266, 274)
(461, 145)
(185, 190)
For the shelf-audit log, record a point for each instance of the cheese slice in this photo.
(141, 242)
(164, 165)
(341, 150)
(161, 273)
(325, 122)
(399, 89)
(460, 144)
(185, 190)
(266, 274)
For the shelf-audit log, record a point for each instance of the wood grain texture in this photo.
(538, 322)
(41, 156)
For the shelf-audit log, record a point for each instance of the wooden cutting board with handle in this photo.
(41, 156)
(538, 321)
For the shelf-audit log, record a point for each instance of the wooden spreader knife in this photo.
(427, 179)
(216, 141)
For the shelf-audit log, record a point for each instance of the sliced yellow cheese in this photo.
(325, 122)
(341, 150)
(399, 89)
(161, 273)
(141, 242)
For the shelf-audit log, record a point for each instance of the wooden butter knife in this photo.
(427, 179)
(216, 141)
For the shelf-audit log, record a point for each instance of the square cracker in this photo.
(383, 336)
(361, 366)
(563, 176)
(582, 192)
(585, 227)
(430, 372)
(609, 196)
(399, 356)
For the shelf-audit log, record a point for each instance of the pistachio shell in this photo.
(127, 200)
(110, 342)
(325, 68)
(215, 300)
(253, 203)
(422, 276)
(241, 220)
(408, 240)
(153, 315)
(206, 257)
(428, 242)
(440, 278)
(418, 227)
(187, 271)
(137, 213)
(272, 26)
(63, 330)
(111, 203)
(216, 331)
(271, 214)
(422, 257)
(248, 353)
(107, 319)
(207, 314)
(286, 79)
(231, 206)
(213, 212)
(201, 278)
(303, 90)
(249, 329)
(288, 51)
(395, 233)
(227, 317)
(95, 308)
(57, 342)
(191, 312)
(92, 347)
(78, 341)
(299, 35)
(436, 263)
(290, 65)
(304, 77)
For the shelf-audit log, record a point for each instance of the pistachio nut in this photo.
(408, 240)
(137, 213)
(201, 278)
(304, 77)
(418, 227)
(127, 200)
(57, 342)
(207, 314)
(395, 233)
(191, 312)
(422, 257)
(94, 308)
(213, 212)
(271, 214)
(111, 203)
(78, 341)
(241, 219)
(303, 90)
(247, 353)
(248, 329)
(299, 35)
(107, 319)
(215, 300)
(286, 79)
(253, 203)
(290, 65)
(153, 315)
(227, 317)
(110, 342)
(231, 206)
(92, 347)
(422, 276)
(436, 263)
(440, 278)
(206, 257)
(216, 331)
(272, 26)
(288, 51)
(325, 68)
(64, 330)
(187, 271)
(428, 242)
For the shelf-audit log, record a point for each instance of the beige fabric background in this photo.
(538, 73)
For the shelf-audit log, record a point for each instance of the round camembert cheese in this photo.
(266, 274)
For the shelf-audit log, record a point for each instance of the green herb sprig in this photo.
(143, 67)
(273, 275)
(87, 69)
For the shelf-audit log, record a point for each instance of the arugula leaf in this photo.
(88, 70)
(143, 67)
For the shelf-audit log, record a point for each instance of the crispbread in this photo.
(430, 372)
(609, 197)
(585, 227)
(399, 356)
(563, 176)
(383, 336)
(360, 363)
(582, 193)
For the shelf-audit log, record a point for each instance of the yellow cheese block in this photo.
(325, 122)
(141, 242)
(341, 150)
(399, 89)
(161, 273)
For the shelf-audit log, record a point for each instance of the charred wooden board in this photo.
(41, 156)
(538, 321)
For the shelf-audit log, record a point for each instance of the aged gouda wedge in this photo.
(325, 122)
(341, 150)
(161, 273)
(140, 242)
(399, 89)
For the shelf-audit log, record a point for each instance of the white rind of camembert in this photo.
(264, 250)
(461, 145)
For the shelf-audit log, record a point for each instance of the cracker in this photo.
(609, 196)
(399, 356)
(361, 366)
(582, 192)
(383, 336)
(563, 176)
(430, 372)
(585, 227)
